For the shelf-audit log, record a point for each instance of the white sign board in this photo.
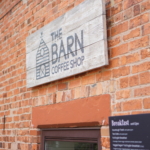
(73, 43)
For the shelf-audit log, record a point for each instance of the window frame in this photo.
(90, 135)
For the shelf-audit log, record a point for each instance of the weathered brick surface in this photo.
(126, 79)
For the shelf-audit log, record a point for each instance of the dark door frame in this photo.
(72, 134)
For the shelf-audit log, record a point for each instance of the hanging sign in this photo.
(73, 43)
(130, 132)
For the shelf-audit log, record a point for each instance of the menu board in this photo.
(130, 132)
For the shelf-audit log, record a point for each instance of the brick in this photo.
(142, 42)
(106, 75)
(132, 105)
(35, 93)
(108, 4)
(124, 82)
(137, 10)
(105, 86)
(119, 28)
(113, 108)
(70, 2)
(127, 14)
(145, 53)
(59, 96)
(99, 89)
(16, 118)
(77, 92)
(34, 132)
(146, 29)
(104, 131)
(129, 3)
(144, 78)
(134, 80)
(52, 89)
(139, 20)
(123, 60)
(118, 18)
(114, 42)
(146, 103)
(110, 22)
(85, 91)
(142, 92)
(93, 90)
(99, 77)
(43, 91)
(88, 79)
(141, 67)
(75, 83)
(132, 34)
(105, 142)
(113, 63)
(123, 71)
(78, 2)
(117, 1)
(116, 73)
(119, 50)
(51, 98)
(123, 94)
(118, 107)
(116, 9)
(62, 5)
(112, 86)
(62, 86)
(35, 147)
(145, 6)
(133, 58)
(68, 95)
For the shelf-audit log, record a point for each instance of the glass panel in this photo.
(59, 145)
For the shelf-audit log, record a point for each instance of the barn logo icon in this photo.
(42, 60)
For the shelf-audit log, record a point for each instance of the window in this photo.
(71, 139)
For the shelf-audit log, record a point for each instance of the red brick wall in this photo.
(6, 6)
(126, 79)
